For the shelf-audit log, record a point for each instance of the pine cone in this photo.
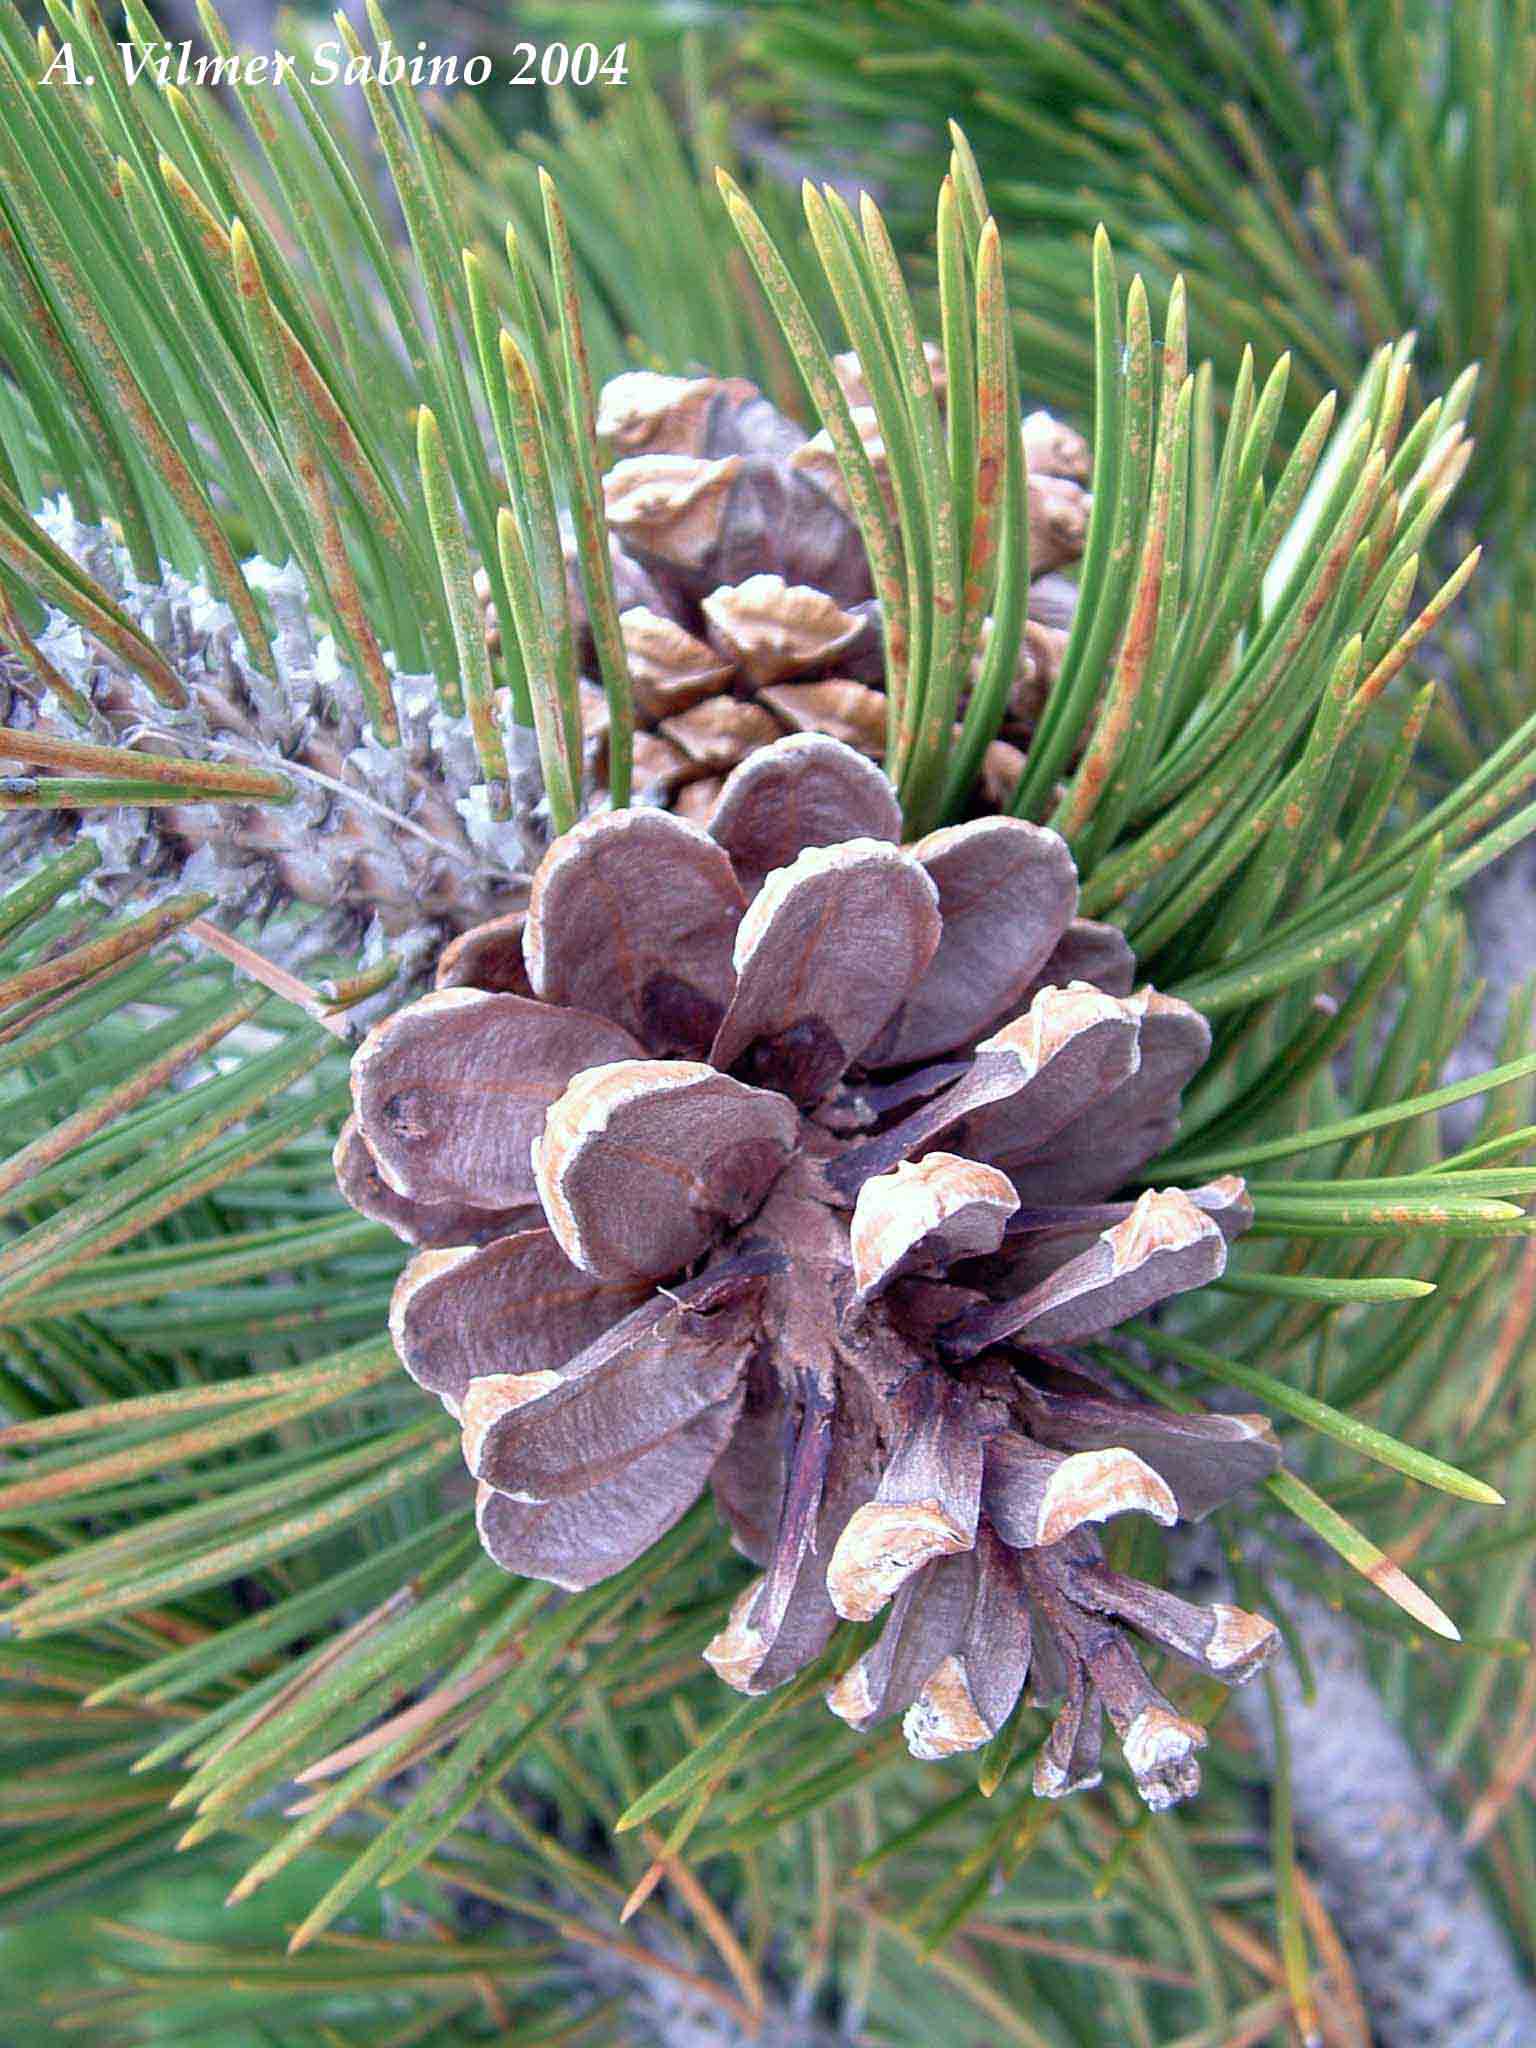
(783, 1159)
(745, 596)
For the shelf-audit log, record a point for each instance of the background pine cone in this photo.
(745, 596)
(785, 1158)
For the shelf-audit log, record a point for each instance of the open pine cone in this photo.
(783, 1159)
(745, 597)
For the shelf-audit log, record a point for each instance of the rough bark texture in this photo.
(1435, 1967)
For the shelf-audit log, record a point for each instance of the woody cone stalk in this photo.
(784, 1160)
(745, 597)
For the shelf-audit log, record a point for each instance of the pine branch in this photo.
(246, 1539)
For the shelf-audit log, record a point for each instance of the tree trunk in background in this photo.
(1435, 1966)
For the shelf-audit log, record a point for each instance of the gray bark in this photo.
(1436, 1968)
